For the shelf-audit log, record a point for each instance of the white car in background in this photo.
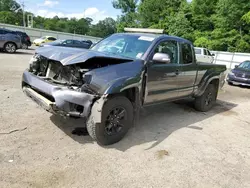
(203, 55)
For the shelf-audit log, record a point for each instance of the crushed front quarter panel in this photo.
(116, 78)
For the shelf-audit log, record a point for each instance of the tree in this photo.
(179, 26)
(126, 6)
(203, 7)
(129, 16)
(103, 28)
(8, 5)
(216, 24)
(7, 17)
(246, 17)
(230, 12)
(156, 12)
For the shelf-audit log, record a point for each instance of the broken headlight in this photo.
(34, 64)
(38, 65)
(87, 78)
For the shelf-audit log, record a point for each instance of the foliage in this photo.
(216, 24)
(103, 28)
(78, 26)
(157, 12)
(125, 5)
(246, 17)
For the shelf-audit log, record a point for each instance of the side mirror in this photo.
(162, 58)
(236, 66)
(213, 54)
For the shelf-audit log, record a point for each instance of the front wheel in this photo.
(117, 118)
(10, 47)
(206, 101)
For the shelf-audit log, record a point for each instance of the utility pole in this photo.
(24, 22)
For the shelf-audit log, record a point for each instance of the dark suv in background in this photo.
(9, 41)
(25, 39)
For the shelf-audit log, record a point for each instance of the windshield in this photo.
(131, 46)
(245, 65)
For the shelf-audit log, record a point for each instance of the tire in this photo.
(10, 47)
(206, 101)
(25, 46)
(102, 132)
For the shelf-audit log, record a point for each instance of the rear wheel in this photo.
(10, 47)
(117, 118)
(206, 101)
(25, 46)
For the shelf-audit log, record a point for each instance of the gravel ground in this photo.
(172, 146)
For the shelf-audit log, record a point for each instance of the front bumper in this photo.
(56, 99)
(238, 81)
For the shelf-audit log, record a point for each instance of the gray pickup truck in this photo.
(109, 84)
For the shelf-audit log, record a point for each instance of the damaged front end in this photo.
(68, 83)
(57, 88)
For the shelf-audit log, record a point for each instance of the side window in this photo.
(68, 42)
(208, 53)
(170, 48)
(51, 38)
(187, 53)
(2, 31)
(205, 52)
(77, 42)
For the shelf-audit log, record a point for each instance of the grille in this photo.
(65, 74)
(242, 75)
(58, 72)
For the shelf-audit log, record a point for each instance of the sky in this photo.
(95, 9)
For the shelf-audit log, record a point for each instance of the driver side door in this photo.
(162, 81)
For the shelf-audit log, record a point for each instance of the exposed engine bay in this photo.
(68, 75)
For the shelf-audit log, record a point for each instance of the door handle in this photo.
(172, 74)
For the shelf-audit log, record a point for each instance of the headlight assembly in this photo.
(231, 74)
(34, 64)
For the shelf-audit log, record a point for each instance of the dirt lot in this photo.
(172, 146)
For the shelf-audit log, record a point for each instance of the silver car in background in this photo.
(9, 41)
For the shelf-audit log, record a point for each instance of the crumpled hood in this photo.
(69, 56)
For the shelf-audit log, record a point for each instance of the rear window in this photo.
(197, 51)
(52, 38)
(208, 52)
(187, 53)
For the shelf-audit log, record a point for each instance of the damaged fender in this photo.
(114, 80)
